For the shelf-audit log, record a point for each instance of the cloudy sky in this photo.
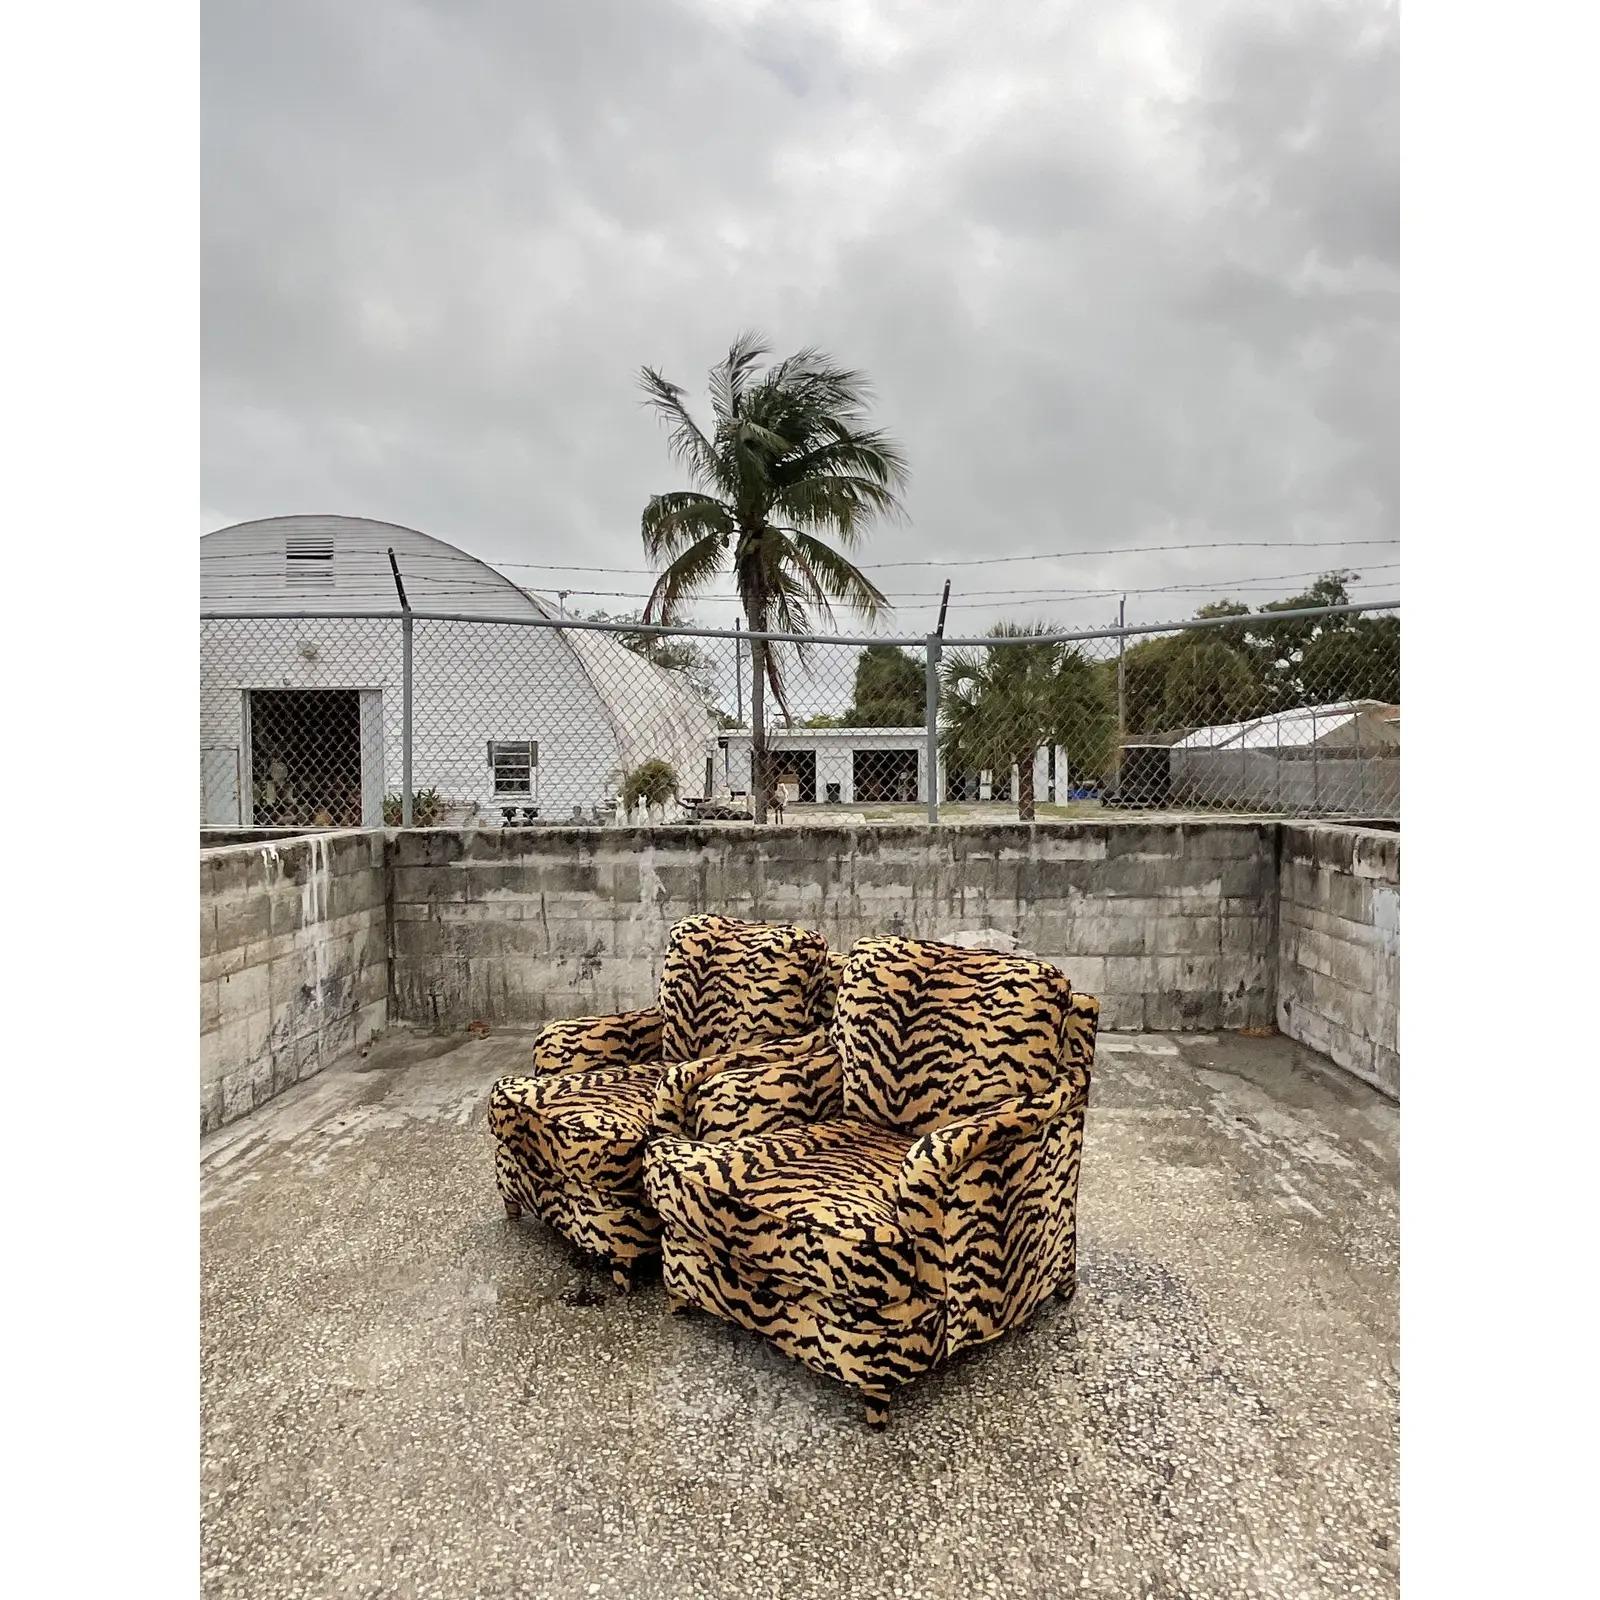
(1123, 273)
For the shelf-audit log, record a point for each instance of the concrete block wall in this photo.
(1171, 924)
(1338, 979)
(294, 957)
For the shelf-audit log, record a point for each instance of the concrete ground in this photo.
(405, 1395)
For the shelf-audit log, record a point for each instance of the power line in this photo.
(872, 566)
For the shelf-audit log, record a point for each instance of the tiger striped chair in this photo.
(908, 1190)
(570, 1135)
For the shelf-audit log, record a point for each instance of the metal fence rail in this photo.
(311, 719)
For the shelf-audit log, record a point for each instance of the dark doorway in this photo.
(885, 776)
(798, 767)
(305, 758)
(960, 784)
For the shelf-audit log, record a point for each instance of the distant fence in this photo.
(311, 719)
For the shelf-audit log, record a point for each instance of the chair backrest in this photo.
(726, 983)
(828, 995)
(926, 1032)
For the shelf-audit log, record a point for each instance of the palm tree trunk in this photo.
(1025, 786)
(756, 616)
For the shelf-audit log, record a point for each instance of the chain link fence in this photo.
(373, 718)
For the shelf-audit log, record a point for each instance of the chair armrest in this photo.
(938, 1155)
(574, 1044)
(681, 1083)
(951, 1174)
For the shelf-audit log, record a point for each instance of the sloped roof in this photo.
(1299, 726)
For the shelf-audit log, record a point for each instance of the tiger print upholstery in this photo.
(933, 1204)
(570, 1137)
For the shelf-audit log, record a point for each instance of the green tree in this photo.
(1203, 676)
(789, 462)
(999, 705)
(1359, 662)
(890, 689)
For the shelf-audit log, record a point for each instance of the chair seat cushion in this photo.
(589, 1127)
(814, 1207)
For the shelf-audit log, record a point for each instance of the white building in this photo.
(301, 717)
(871, 766)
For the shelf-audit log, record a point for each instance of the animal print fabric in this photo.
(581, 1043)
(570, 1138)
(726, 983)
(755, 1090)
(929, 1031)
(870, 1248)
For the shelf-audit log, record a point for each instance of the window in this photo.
(308, 560)
(513, 763)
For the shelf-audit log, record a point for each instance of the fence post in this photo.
(758, 730)
(405, 722)
(930, 673)
(1122, 695)
(405, 693)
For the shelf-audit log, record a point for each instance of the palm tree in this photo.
(788, 463)
(999, 706)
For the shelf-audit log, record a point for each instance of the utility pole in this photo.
(738, 673)
(405, 693)
(933, 646)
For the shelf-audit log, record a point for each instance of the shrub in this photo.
(652, 781)
(427, 807)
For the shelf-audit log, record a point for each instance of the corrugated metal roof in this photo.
(1300, 726)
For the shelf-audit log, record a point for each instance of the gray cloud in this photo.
(1123, 273)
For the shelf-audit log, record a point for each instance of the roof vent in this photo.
(308, 560)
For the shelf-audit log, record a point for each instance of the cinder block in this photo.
(1170, 936)
(210, 1006)
(1228, 841)
(240, 922)
(1386, 1070)
(1071, 844)
(1088, 973)
(1180, 1011)
(1188, 973)
(1122, 1011)
(210, 1106)
(1147, 839)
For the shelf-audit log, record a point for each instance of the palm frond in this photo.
(684, 577)
(833, 577)
(727, 380)
(672, 521)
(685, 439)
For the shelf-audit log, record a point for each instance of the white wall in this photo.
(470, 685)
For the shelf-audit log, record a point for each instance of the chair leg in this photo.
(623, 1279)
(677, 1307)
(1065, 1291)
(513, 1210)
(875, 1412)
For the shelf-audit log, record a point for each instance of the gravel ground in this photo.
(405, 1395)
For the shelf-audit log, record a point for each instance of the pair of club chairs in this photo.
(872, 1162)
